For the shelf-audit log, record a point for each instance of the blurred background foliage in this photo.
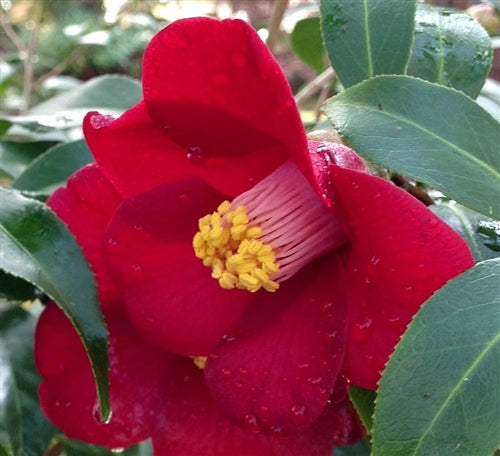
(50, 46)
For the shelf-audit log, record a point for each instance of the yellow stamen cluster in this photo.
(200, 361)
(228, 244)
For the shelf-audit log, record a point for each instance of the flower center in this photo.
(265, 235)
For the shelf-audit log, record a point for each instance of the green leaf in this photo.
(405, 124)
(38, 247)
(104, 92)
(481, 233)
(22, 425)
(51, 169)
(364, 403)
(450, 48)
(16, 156)
(307, 43)
(365, 38)
(360, 449)
(439, 394)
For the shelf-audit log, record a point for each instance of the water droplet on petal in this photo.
(117, 450)
(136, 270)
(225, 372)
(138, 227)
(331, 337)
(264, 409)
(375, 260)
(276, 430)
(243, 370)
(315, 380)
(302, 366)
(251, 423)
(363, 329)
(196, 155)
(183, 198)
(239, 386)
(298, 414)
(112, 242)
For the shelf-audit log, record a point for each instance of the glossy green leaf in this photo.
(364, 402)
(16, 156)
(360, 449)
(23, 428)
(111, 92)
(481, 233)
(38, 247)
(405, 124)
(450, 48)
(439, 394)
(307, 43)
(51, 169)
(365, 38)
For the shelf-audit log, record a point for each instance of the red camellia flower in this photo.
(246, 275)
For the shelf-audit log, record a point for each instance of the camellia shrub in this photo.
(217, 282)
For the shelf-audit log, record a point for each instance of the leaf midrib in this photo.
(454, 390)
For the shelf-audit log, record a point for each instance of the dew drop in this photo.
(225, 372)
(251, 423)
(243, 370)
(264, 409)
(117, 450)
(375, 260)
(302, 366)
(226, 338)
(298, 414)
(331, 337)
(363, 329)
(239, 386)
(276, 430)
(409, 288)
(183, 198)
(96, 413)
(326, 308)
(136, 269)
(195, 155)
(138, 227)
(315, 380)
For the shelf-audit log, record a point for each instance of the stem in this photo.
(319, 82)
(279, 8)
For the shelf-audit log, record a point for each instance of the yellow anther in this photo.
(200, 361)
(228, 243)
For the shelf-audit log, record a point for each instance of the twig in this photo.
(75, 54)
(412, 189)
(320, 81)
(279, 8)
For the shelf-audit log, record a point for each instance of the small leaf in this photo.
(22, 423)
(450, 48)
(16, 156)
(38, 247)
(307, 43)
(365, 38)
(104, 92)
(360, 449)
(439, 393)
(481, 233)
(404, 124)
(51, 169)
(364, 403)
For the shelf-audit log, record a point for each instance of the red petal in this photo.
(169, 295)
(68, 394)
(194, 426)
(281, 361)
(86, 205)
(321, 155)
(136, 155)
(401, 254)
(225, 96)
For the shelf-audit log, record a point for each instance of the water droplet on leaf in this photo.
(96, 413)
